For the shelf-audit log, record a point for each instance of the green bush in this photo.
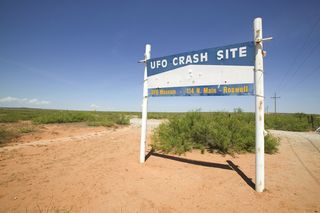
(122, 120)
(217, 132)
(271, 144)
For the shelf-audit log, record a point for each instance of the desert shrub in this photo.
(6, 135)
(26, 129)
(217, 132)
(271, 144)
(122, 120)
(292, 122)
(238, 109)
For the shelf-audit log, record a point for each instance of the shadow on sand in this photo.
(229, 166)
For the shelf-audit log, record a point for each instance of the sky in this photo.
(82, 55)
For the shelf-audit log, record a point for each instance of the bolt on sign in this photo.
(227, 70)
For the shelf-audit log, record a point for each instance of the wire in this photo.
(303, 62)
(300, 50)
(308, 76)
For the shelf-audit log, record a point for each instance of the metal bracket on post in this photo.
(258, 40)
(142, 61)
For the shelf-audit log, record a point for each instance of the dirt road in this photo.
(97, 170)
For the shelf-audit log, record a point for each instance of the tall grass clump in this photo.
(226, 133)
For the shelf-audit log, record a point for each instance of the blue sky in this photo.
(83, 54)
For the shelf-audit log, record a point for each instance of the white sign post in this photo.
(143, 140)
(257, 26)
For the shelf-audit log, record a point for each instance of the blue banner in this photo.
(210, 90)
(241, 54)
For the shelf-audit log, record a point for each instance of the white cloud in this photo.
(33, 101)
(38, 102)
(8, 99)
(94, 106)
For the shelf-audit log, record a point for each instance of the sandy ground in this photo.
(86, 169)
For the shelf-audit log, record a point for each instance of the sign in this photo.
(218, 71)
(229, 70)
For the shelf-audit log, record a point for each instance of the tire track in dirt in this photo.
(311, 143)
(57, 140)
(300, 159)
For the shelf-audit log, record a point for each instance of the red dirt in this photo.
(99, 171)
